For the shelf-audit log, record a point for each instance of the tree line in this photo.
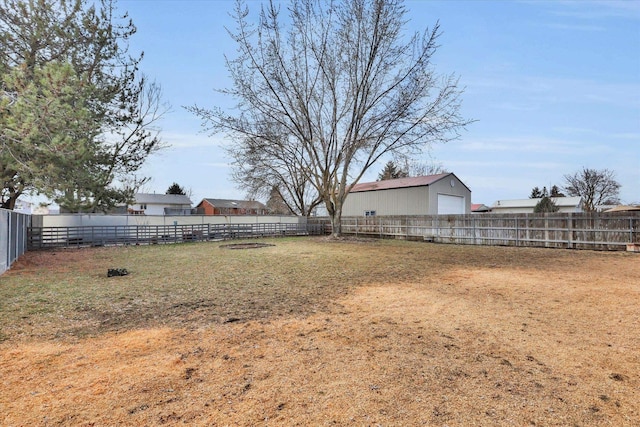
(595, 187)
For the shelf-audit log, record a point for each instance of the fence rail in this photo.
(575, 231)
(52, 237)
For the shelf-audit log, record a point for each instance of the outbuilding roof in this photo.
(416, 181)
(531, 203)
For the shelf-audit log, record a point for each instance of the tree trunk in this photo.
(336, 220)
(10, 202)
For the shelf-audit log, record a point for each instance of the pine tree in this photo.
(555, 192)
(76, 117)
(545, 205)
(391, 171)
(176, 189)
(535, 193)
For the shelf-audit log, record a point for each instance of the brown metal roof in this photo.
(417, 181)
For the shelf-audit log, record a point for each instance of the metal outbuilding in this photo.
(564, 204)
(440, 194)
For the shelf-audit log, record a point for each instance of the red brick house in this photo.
(231, 207)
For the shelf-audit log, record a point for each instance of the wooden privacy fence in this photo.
(564, 230)
(52, 237)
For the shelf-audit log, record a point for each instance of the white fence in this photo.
(13, 237)
(100, 220)
(99, 230)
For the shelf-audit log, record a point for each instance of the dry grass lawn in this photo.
(312, 332)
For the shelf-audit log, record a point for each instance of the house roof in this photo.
(479, 207)
(531, 203)
(162, 199)
(226, 203)
(417, 181)
(624, 208)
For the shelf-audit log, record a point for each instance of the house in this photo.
(22, 206)
(231, 207)
(564, 204)
(26, 207)
(479, 208)
(439, 194)
(160, 204)
(623, 208)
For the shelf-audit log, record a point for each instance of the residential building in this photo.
(479, 208)
(231, 207)
(160, 204)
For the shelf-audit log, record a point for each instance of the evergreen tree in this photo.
(176, 189)
(536, 193)
(391, 171)
(546, 204)
(555, 192)
(76, 117)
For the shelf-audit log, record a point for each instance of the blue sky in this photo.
(554, 86)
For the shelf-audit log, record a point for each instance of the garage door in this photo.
(450, 205)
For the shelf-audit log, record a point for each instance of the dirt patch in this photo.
(467, 337)
(246, 246)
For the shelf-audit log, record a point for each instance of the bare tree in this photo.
(262, 169)
(343, 86)
(413, 167)
(276, 204)
(596, 187)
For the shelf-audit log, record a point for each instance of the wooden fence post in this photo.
(546, 230)
(406, 227)
(570, 230)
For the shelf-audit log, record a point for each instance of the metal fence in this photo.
(13, 237)
(559, 230)
(109, 235)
